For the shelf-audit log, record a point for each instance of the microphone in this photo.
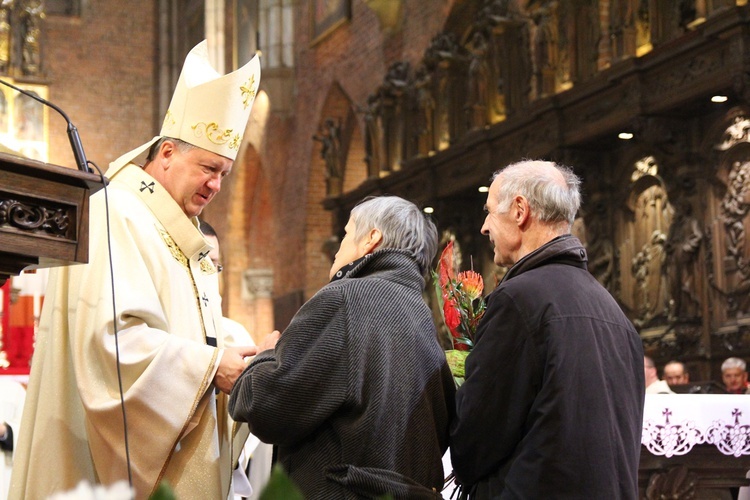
(75, 139)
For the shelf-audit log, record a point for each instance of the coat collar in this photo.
(397, 265)
(566, 249)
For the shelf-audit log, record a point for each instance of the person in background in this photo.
(653, 384)
(151, 351)
(675, 373)
(530, 423)
(235, 334)
(12, 397)
(357, 394)
(256, 459)
(734, 376)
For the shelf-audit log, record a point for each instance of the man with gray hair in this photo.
(357, 393)
(552, 403)
(734, 376)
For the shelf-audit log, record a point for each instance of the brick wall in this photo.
(100, 71)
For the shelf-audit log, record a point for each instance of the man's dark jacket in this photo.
(552, 405)
(358, 390)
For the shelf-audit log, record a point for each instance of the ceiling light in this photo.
(484, 189)
(625, 136)
(428, 210)
(719, 98)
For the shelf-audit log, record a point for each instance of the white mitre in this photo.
(207, 110)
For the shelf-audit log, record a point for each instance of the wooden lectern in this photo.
(44, 214)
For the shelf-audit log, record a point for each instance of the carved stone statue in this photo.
(495, 12)
(330, 151)
(587, 40)
(734, 208)
(545, 52)
(651, 291)
(476, 108)
(6, 8)
(373, 135)
(397, 77)
(683, 244)
(441, 53)
(393, 92)
(31, 49)
(622, 27)
(425, 111)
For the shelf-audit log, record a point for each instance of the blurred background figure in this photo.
(734, 376)
(653, 384)
(12, 397)
(675, 373)
(256, 458)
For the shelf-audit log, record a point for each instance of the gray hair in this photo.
(730, 363)
(549, 201)
(182, 146)
(402, 224)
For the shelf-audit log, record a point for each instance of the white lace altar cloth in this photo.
(674, 423)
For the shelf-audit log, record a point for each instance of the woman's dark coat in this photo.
(357, 380)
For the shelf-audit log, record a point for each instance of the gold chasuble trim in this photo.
(182, 259)
(196, 402)
(207, 267)
(174, 249)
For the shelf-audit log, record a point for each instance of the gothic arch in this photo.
(320, 244)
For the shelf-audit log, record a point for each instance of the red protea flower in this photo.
(452, 317)
(446, 269)
(472, 284)
(453, 321)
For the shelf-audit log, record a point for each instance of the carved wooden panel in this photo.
(43, 214)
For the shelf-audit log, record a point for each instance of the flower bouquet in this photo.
(459, 296)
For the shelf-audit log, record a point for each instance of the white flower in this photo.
(85, 491)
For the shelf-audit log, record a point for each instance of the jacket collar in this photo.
(397, 265)
(566, 249)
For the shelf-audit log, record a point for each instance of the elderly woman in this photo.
(357, 393)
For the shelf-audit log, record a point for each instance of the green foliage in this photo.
(280, 487)
(163, 492)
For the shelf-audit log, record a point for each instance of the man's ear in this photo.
(372, 240)
(521, 210)
(167, 150)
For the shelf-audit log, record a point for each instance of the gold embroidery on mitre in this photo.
(207, 266)
(248, 91)
(235, 144)
(174, 249)
(214, 134)
(169, 119)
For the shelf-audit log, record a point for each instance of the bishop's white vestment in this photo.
(167, 307)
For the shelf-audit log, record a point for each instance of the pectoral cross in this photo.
(150, 187)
